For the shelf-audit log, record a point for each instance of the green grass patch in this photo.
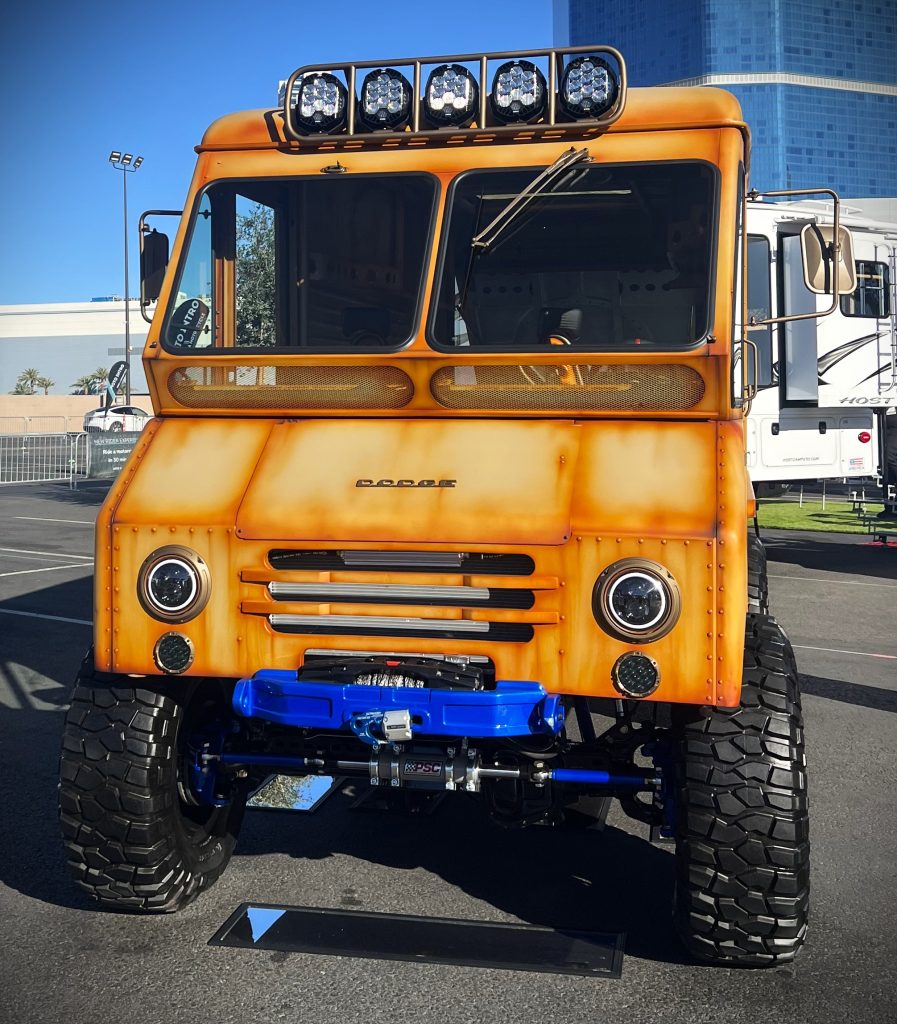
(836, 517)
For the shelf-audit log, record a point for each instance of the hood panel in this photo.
(502, 482)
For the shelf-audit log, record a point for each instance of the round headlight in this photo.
(385, 100)
(321, 104)
(173, 584)
(635, 599)
(518, 92)
(451, 96)
(589, 87)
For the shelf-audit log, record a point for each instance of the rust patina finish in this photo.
(576, 491)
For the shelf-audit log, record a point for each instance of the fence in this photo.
(21, 425)
(43, 458)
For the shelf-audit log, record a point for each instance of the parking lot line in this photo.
(824, 579)
(836, 650)
(43, 519)
(46, 568)
(47, 554)
(39, 615)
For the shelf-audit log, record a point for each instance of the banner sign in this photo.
(114, 380)
(107, 453)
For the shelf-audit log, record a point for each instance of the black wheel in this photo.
(135, 835)
(758, 582)
(742, 845)
(116, 427)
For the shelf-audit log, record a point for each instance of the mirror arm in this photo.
(836, 254)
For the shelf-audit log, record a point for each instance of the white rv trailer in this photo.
(824, 385)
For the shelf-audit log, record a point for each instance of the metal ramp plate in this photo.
(515, 947)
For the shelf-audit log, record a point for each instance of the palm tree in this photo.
(84, 384)
(45, 383)
(26, 384)
(99, 375)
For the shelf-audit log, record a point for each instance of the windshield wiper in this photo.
(490, 234)
(539, 185)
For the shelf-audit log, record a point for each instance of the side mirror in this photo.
(153, 259)
(153, 263)
(816, 252)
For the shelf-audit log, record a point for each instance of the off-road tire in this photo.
(132, 841)
(742, 846)
(758, 581)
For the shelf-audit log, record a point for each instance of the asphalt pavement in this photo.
(62, 959)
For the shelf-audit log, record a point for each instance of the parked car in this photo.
(117, 418)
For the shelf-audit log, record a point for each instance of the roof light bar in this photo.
(569, 88)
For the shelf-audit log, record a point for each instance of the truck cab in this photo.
(446, 487)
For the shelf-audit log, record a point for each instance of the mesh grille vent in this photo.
(264, 385)
(561, 388)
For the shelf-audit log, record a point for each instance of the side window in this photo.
(256, 283)
(872, 297)
(759, 302)
(190, 325)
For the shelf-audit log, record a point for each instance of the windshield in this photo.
(607, 257)
(330, 264)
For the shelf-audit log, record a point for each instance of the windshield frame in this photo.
(565, 354)
(306, 350)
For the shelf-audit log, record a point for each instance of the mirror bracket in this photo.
(834, 248)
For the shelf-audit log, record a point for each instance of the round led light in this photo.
(321, 104)
(385, 100)
(451, 96)
(173, 584)
(518, 92)
(635, 599)
(173, 653)
(589, 87)
(635, 674)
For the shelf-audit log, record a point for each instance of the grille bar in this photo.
(393, 593)
(383, 625)
(404, 561)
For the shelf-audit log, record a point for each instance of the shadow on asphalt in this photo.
(31, 716)
(847, 553)
(874, 697)
(88, 492)
(577, 880)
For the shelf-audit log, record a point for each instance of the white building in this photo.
(65, 341)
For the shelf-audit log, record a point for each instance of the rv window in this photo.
(872, 296)
(759, 304)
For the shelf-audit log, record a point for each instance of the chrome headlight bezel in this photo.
(607, 587)
(198, 571)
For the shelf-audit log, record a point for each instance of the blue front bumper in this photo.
(511, 709)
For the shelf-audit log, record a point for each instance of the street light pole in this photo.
(127, 164)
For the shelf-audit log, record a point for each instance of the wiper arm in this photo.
(540, 184)
(490, 234)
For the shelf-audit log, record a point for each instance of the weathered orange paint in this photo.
(575, 491)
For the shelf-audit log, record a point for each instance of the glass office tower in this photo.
(817, 79)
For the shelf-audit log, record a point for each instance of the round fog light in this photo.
(635, 674)
(173, 653)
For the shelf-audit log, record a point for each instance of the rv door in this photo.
(798, 358)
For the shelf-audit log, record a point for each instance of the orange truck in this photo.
(446, 488)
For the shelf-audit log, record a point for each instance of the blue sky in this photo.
(77, 81)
